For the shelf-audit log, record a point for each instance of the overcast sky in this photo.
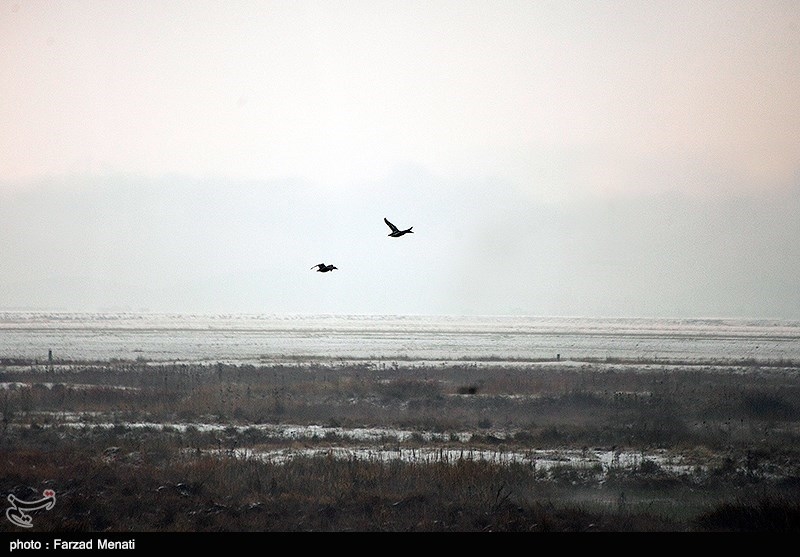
(581, 158)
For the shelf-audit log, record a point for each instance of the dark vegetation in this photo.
(124, 446)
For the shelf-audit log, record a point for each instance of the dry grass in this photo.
(740, 425)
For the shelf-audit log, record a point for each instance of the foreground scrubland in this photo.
(141, 446)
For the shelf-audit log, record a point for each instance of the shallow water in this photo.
(269, 338)
(383, 445)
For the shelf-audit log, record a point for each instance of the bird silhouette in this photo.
(322, 268)
(396, 232)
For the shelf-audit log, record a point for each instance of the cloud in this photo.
(178, 244)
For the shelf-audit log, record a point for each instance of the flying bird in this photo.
(322, 268)
(396, 232)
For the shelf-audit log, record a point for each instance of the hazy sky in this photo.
(585, 158)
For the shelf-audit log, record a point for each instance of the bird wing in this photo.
(319, 265)
(393, 227)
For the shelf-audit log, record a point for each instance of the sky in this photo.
(554, 158)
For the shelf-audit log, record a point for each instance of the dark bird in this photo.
(396, 232)
(322, 268)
